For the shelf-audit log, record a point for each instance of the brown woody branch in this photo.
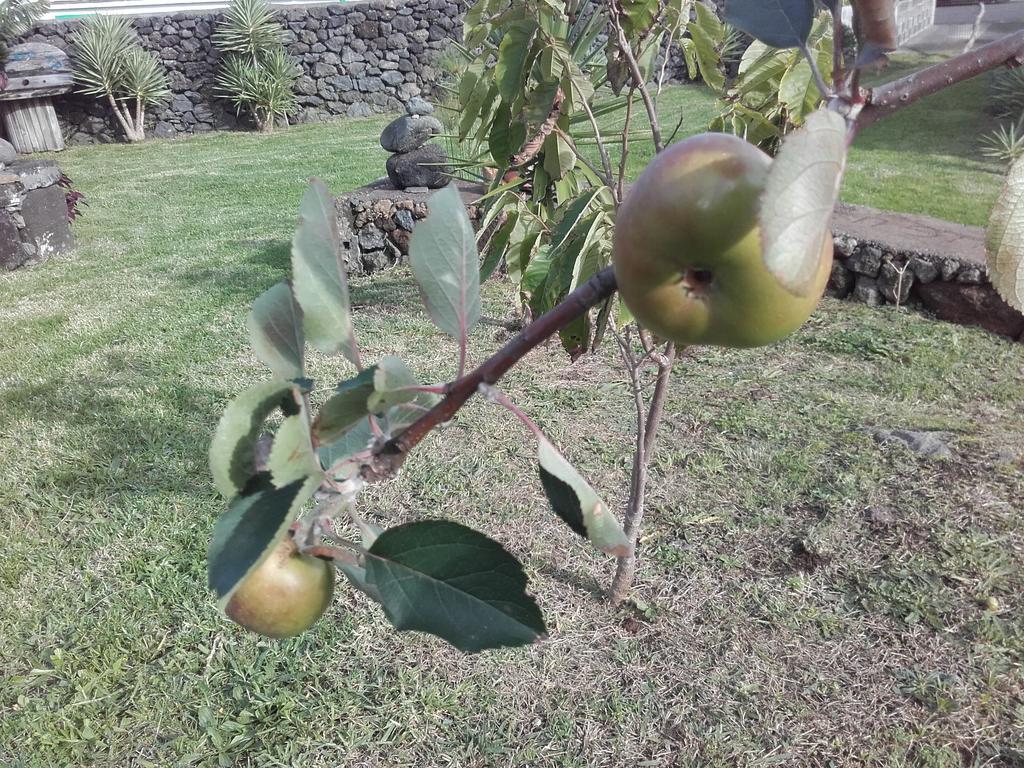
(891, 97)
(598, 288)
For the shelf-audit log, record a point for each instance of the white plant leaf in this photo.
(799, 195)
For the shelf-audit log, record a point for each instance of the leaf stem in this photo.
(495, 395)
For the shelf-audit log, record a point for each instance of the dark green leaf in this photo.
(246, 533)
(231, 450)
(512, 56)
(577, 504)
(638, 16)
(446, 265)
(275, 331)
(496, 247)
(448, 580)
(779, 23)
(321, 286)
(558, 156)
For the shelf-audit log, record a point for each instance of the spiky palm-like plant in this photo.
(257, 74)
(109, 62)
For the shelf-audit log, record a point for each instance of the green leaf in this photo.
(1004, 240)
(574, 501)
(497, 245)
(344, 409)
(779, 23)
(391, 383)
(499, 142)
(400, 417)
(355, 440)
(448, 580)
(558, 156)
(798, 198)
(357, 578)
(512, 55)
(275, 331)
(291, 455)
(321, 286)
(446, 265)
(247, 532)
(706, 35)
(231, 450)
(638, 16)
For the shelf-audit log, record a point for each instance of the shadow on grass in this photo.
(107, 438)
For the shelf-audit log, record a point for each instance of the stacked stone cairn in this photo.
(414, 162)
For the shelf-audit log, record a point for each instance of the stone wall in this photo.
(886, 258)
(357, 58)
(376, 221)
(33, 214)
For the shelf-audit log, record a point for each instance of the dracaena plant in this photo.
(716, 243)
(109, 62)
(257, 74)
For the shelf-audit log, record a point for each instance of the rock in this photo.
(46, 221)
(404, 219)
(164, 130)
(924, 270)
(845, 245)
(359, 109)
(894, 283)
(970, 276)
(419, 106)
(866, 290)
(948, 268)
(866, 261)
(406, 133)
(932, 445)
(423, 167)
(7, 153)
(180, 103)
(972, 305)
(11, 254)
(840, 283)
(35, 174)
(371, 239)
(375, 261)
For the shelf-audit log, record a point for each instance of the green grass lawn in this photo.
(805, 597)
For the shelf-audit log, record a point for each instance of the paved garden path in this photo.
(912, 233)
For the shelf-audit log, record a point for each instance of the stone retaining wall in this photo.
(887, 258)
(357, 58)
(376, 221)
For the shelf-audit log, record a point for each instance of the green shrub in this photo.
(108, 62)
(257, 75)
